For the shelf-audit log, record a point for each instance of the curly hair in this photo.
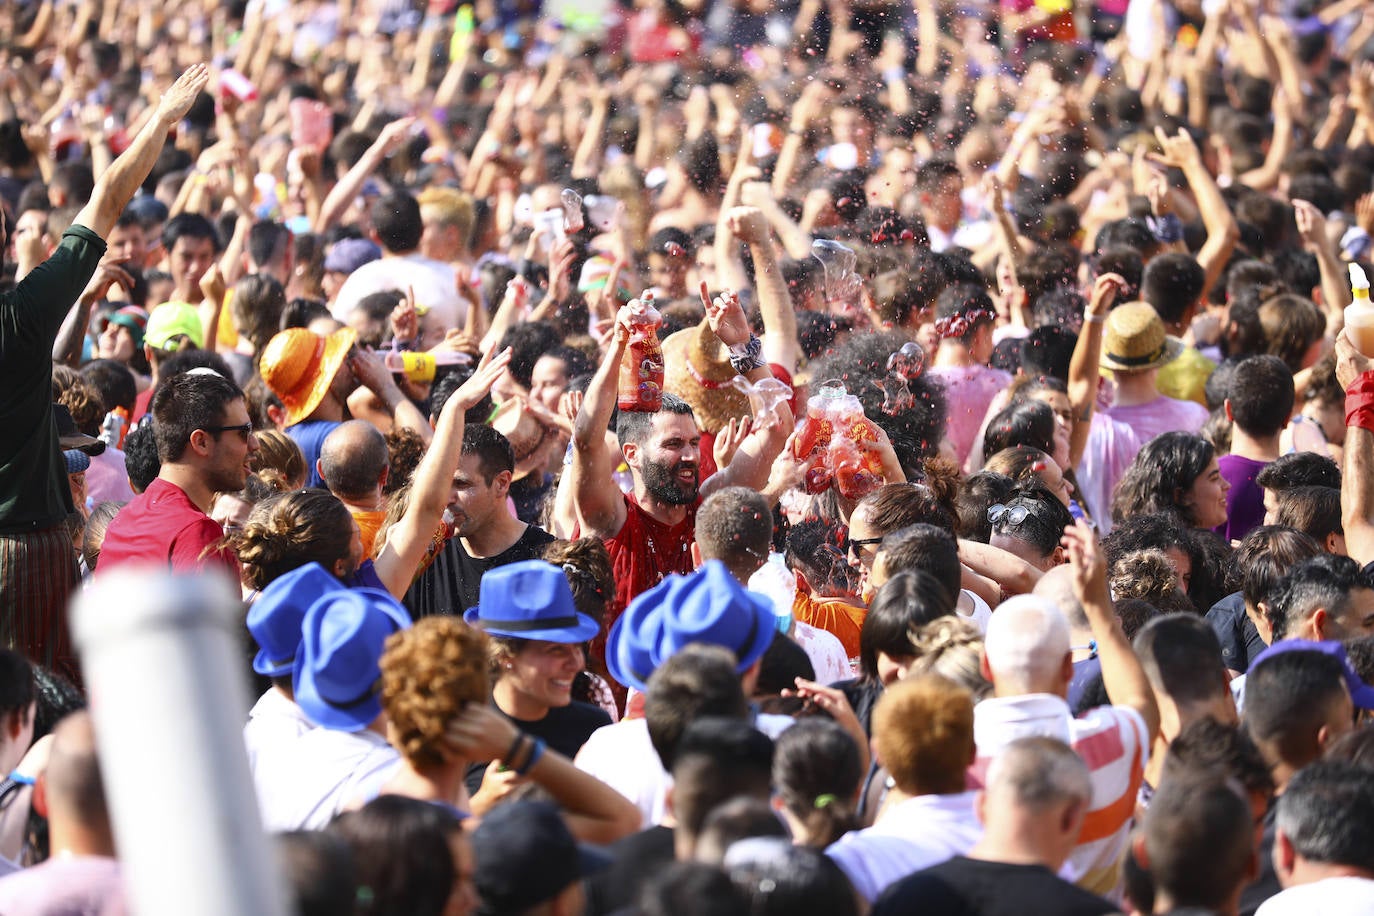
(279, 461)
(289, 531)
(404, 449)
(587, 564)
(861, 363)
(1167, 466)
(429, 673)
(83, 401)
(1149, 576)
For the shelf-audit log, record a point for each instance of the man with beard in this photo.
(486, 533)
(649, 531)
(204, 440)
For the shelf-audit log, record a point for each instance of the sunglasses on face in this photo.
(855, 544)
(245, 430)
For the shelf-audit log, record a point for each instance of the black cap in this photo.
(526, 856)
(71, 438)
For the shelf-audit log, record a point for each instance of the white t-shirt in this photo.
(915, 834)
(825, 651)
(1343, 896)
(272, 722)
(303, 784)
(434, 282)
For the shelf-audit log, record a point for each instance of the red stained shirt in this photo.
(163, 527)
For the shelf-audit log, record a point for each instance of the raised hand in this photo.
(177, 100)
(478, 385)
(1179, 151)
(1105, 290)
(725, 315)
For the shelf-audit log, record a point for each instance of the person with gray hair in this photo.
(1027, 657)
(1037, 797)
(354, 464)
(1324, 847)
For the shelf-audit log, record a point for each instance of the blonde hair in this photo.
(430, 672)
(451, 208)
(951, 647)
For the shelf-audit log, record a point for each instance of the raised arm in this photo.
(1084, 365)
(1335, 287)
(753, 461)
(387, 142)
(780, 345)
(118, 184)
(1121, 672)
(1357, 471)
(408, 538)
(597, 500)
(1222, 229)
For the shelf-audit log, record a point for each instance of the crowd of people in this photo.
(982, 529)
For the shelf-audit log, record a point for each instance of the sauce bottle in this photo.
(641, 372)
(1359, 314)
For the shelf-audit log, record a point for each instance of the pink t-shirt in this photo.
(968, 392)
(1162, 415)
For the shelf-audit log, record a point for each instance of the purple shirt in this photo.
(1245, 499)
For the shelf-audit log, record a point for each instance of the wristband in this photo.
(1090, 318)
(748, 357)
(1359, 402)
(509, 758)
(535, 753)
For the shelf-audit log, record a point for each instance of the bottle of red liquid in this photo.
(812, 441)
(641, 372)
(857, 470)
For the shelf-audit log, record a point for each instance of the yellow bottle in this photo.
(1359, 314)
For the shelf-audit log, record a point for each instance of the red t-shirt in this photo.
(162, 527)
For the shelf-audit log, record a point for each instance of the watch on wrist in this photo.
(747, 357)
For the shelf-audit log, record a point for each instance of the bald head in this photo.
(1027, 647)
(1037, 787)
(352, 460)
(1056, 586)
(72, 785)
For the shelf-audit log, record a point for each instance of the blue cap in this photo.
(1360, 693)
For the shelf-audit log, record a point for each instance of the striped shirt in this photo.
(1112, 742)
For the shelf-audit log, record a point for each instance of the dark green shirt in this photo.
(33, 478)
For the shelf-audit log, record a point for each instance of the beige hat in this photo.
(1135, 339)
(696, 368)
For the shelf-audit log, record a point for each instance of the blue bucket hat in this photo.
(530, 600)
(336, 671)
(1361, 694)
(709, 606)
(276, 617)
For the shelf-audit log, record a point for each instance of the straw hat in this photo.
(1135, 339)
(299, 366)
(697, 369)
(525, 434)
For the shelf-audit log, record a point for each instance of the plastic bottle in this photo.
(641, 372)
(857, 472)
(778, 584)
(420, 367)
(813, 439)
(1359, 314)
(239, 86)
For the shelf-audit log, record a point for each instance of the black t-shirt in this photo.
(565, 729)
(972, 887)
(1267, 884)
(634, 860)
(454, 580)
(33, 478)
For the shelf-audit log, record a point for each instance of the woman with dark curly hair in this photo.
(1175, 473)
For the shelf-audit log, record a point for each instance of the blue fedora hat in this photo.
(709, 606)
(275, 618)
(336, 670)
(530, 600)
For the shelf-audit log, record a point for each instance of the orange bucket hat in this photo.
(299, 366)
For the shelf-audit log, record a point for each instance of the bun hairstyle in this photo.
(951, 647)
(290, 530)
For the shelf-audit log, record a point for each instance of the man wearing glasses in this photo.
(204, 438)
